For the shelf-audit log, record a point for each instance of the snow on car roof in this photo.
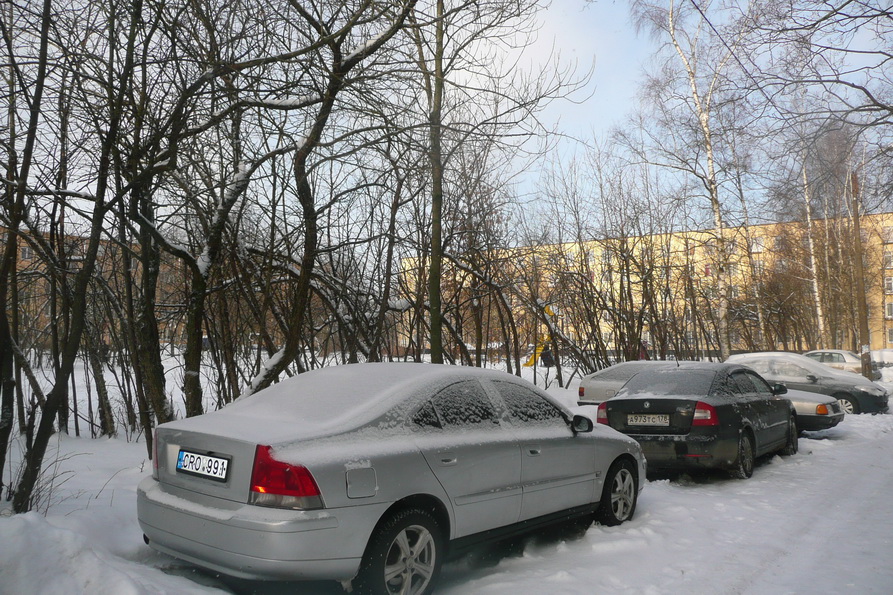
(328, 400)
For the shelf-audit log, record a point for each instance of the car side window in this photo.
(762, 366)
(836, 358)
(527, 407)
(790, 370)
(726, 387)
(743, 382)
(760, 385)
(463, 404)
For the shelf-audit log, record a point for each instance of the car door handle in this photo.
(534, 452)
(448, 461)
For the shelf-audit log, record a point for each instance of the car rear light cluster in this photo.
(705, 415)
(601, 415)
(581, 392)
(282, 485)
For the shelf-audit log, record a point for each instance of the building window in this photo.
(888, 260)
(734, 292)
(758, 268)
(888, 310)
(887, 235)
(757, 245)
(888, 284)
(26, 253)
(890, 335)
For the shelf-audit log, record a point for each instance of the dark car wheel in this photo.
(848, 404)
(743, 468)
(619, 494)
(404, 556)
(793, 444)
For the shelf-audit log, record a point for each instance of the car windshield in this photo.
(670, 382)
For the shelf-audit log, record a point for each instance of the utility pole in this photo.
(864, 341)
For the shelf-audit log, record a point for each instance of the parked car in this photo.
(703, 415)
(604, 384)
(855, 393)
(841, 359)
(374, 473)
(815, 411)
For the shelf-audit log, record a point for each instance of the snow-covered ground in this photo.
(818, 522)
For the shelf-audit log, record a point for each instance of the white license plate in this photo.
(204, 465)
(647, 419)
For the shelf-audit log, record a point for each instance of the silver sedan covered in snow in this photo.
(372, 473)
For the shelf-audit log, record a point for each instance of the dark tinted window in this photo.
(759, 384)
(670, 381)
(744, 383)
(463, 404)
(426, 417)
(528, 407)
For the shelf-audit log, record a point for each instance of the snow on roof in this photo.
(327, 401)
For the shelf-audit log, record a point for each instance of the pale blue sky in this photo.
(600, 30)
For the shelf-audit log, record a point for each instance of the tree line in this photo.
(243, 183)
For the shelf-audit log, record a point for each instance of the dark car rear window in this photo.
(672, 381)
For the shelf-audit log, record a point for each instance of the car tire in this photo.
(793, 444)
(743, 468)
(619, 494)
(404, 555)
(848, 404)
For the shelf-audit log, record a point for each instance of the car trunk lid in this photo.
(650, 415)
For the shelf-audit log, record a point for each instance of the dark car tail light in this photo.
(705, 415)
(282, 485)
(601, 415)
(581, 392)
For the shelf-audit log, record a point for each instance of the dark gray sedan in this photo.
(703, 415)
(373, 473)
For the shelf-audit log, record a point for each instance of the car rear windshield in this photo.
(671, 382)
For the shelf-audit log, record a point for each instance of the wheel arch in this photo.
(851, 397)
(625, 456)
(428, 502)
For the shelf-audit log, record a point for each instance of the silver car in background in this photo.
(841, 359)
(373, 473)
(604, 384)
(815, 411)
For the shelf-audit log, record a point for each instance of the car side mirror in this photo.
(779, 389)
(581, 424)
(812, 378)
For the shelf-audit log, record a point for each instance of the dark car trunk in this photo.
(644, 415)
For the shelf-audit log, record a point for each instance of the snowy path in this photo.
(818, 522)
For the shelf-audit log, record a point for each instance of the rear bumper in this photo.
(253, 542)
(676, 452)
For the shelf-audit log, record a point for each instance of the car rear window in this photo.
(672, 381)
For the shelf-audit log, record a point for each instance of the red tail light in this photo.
(581, 392)
(601, 416)
(282, 485)
(155, 454)
(705, 415)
